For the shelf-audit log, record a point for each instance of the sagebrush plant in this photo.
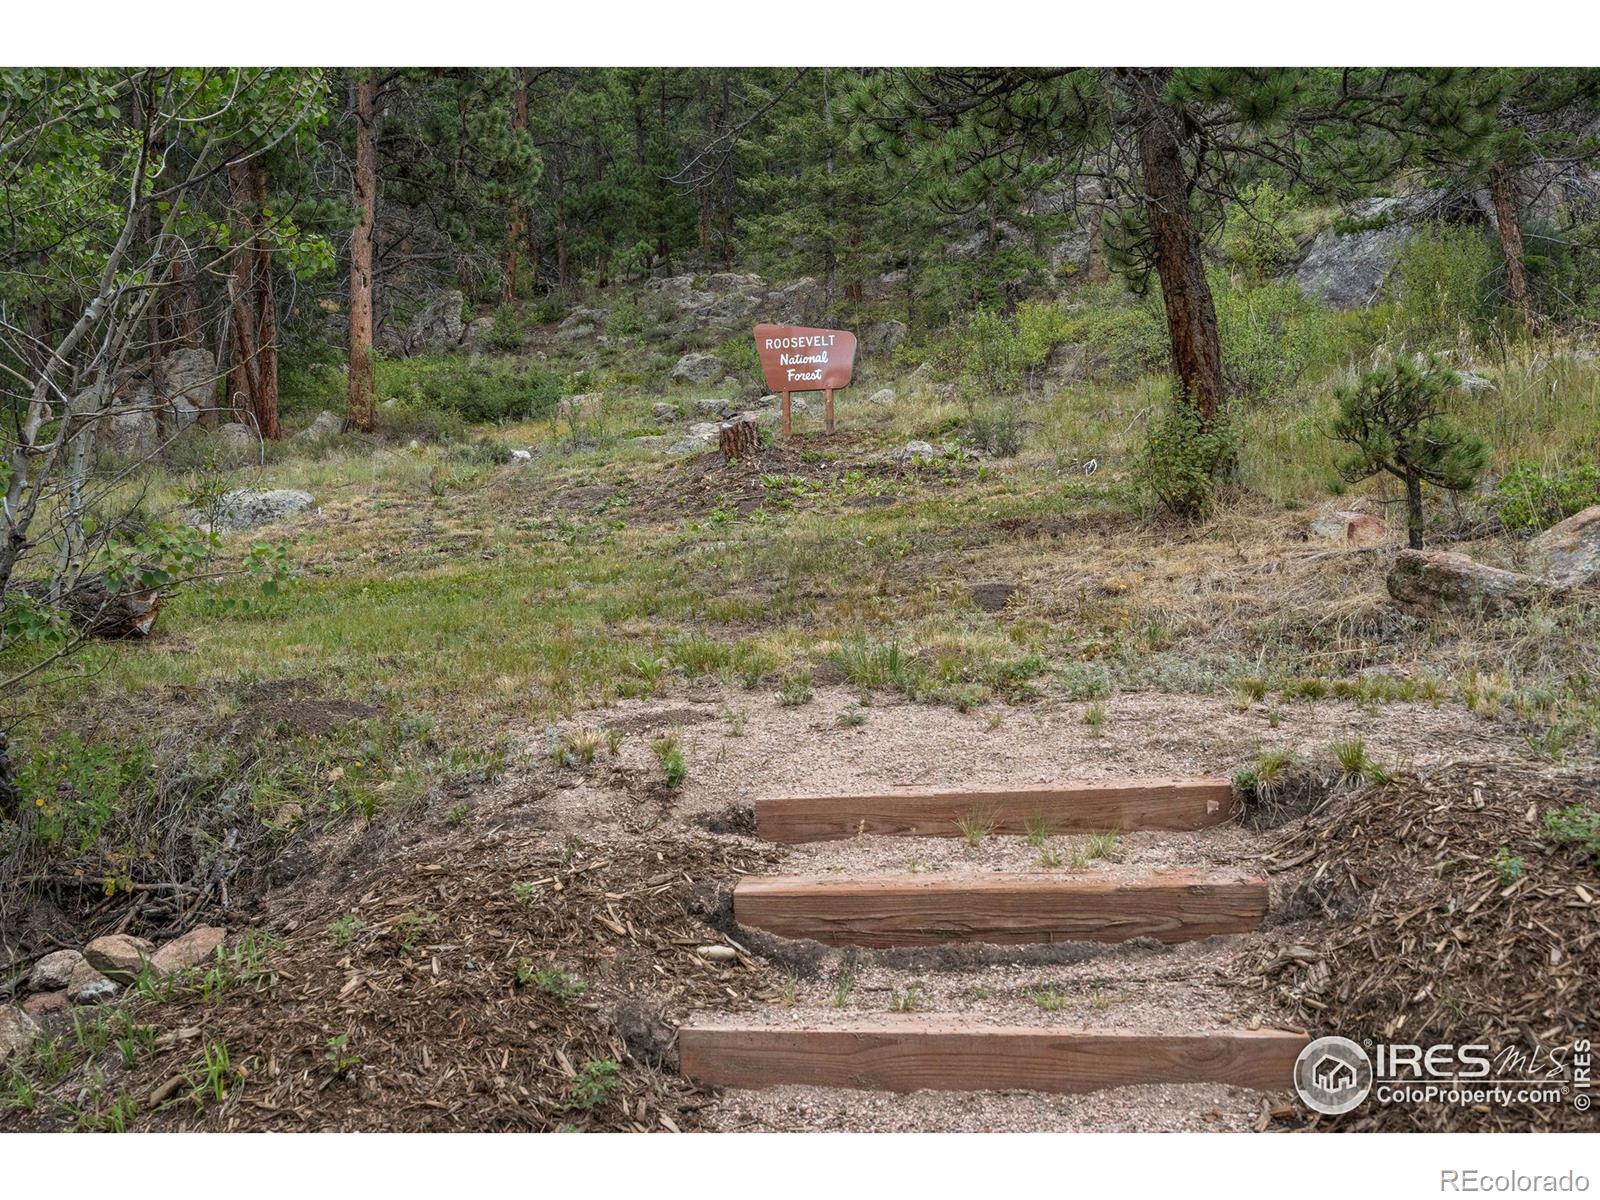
(1396, 419)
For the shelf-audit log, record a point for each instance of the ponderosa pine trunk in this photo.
(1414, 510)
(1191, 315)
(253, 307)
(517, 226)
(1503, 193)
(362, 412)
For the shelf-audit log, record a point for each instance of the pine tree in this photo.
(1396, 420)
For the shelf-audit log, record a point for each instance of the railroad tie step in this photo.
(907, 1053)
(1118, 804)
(997, 908)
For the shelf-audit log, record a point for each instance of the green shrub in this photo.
(1183, 457)
(1271, 336)
(1444, 288)
(1253, 238)
(1041, 327)
(508, 329)
(475, 389)
(1530, 498)
(997, 430)
(985, 353)
(408, 419)
(1124, 337)
(548, 311)
(627, 319)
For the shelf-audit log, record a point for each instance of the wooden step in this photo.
(903, 1054)
(1117, 804)
(937, 909)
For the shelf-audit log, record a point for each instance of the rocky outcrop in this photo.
(437, 326)
(130, 430)
(1569, 552)
(325, 426)
(726, 302)
(1431, 583)
(699, 368)
(191, 384)
(1349, 269)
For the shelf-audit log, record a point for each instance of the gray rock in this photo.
(191, 384)
(1569, 552)
(1348, 270)
(702, 436)
(664, 410)
(181, 413)
(88, 986)
(883, 397)
(654, 441)
(247, 508)
(130, 430)
(916, 450)
(189, 950)
(54, 971)
(1473, 383)
(882, 337)
(236, 441)
(437, 326)
(699, 368)
(712, 406)
(324, 427)
(1432, 583)
(17, 1031)
(118, 956)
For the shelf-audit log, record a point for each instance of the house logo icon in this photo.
(1333, 1075)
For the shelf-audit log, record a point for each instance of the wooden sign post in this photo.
(797, 359)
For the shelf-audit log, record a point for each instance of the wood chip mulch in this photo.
(419, 1021)
(1451, 917)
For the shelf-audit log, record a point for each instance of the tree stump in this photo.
(737, 439)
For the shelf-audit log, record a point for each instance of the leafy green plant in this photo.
(670, 755)
(550, 979)
(1576, 826)
(1530, 497)
(1508, 868)
(795, 689)
(1095, 718)
(596, 1080)
(1183, 456)
(1356, 764)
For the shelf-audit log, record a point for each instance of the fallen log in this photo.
(94, 607)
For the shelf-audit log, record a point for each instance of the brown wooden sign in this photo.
(797, 359)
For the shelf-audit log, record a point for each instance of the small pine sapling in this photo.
(1395, 420)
